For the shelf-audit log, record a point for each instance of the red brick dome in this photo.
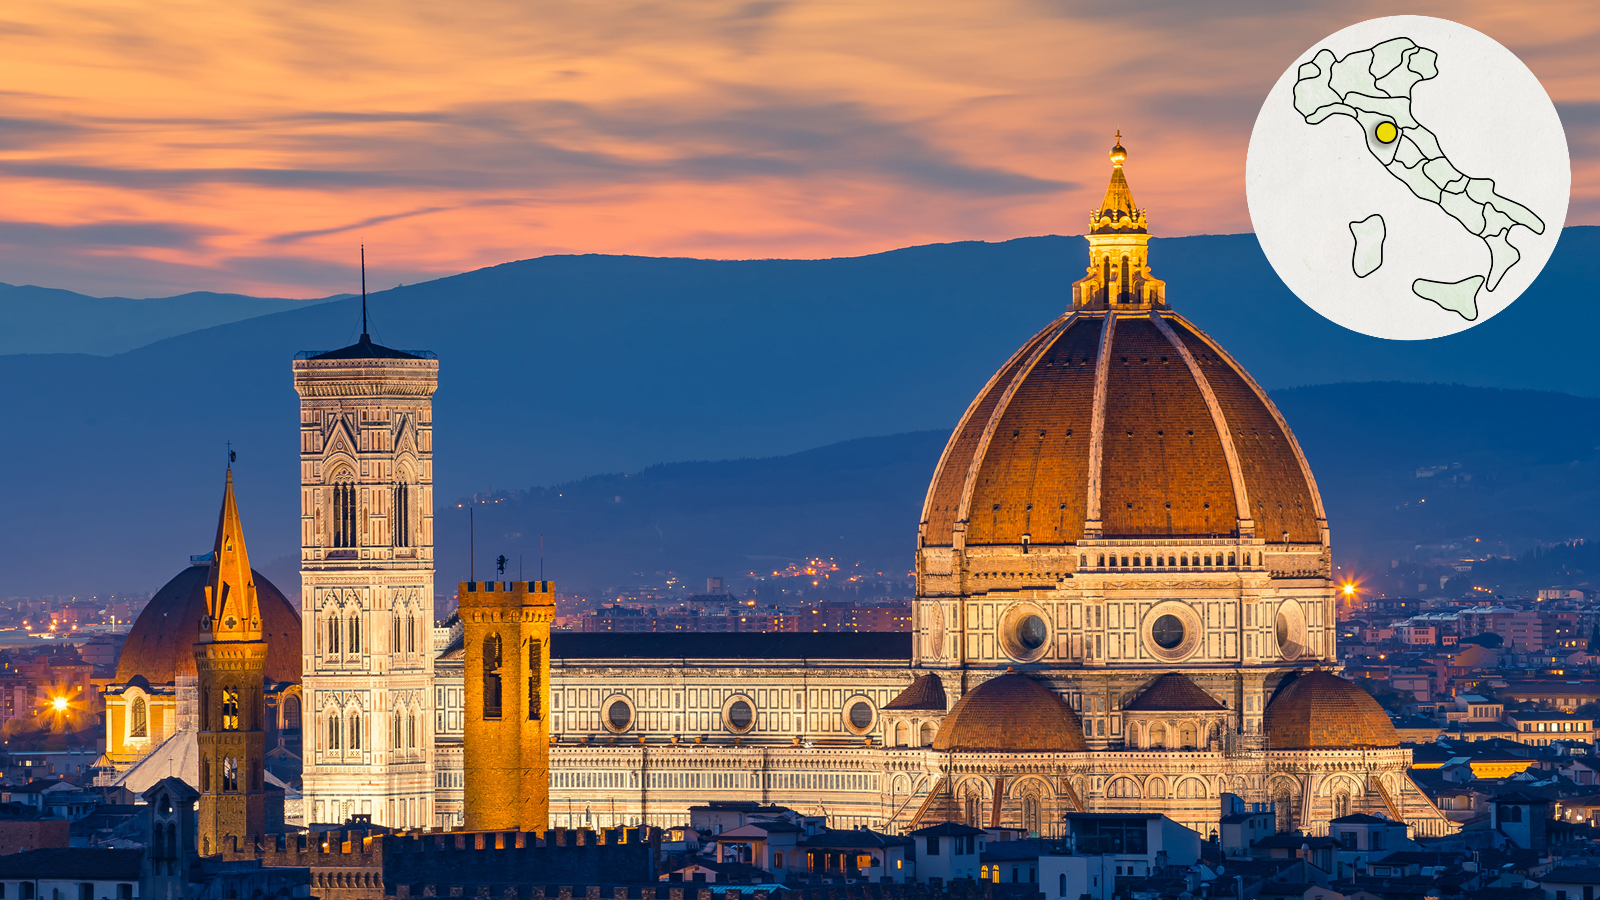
(1321, 711)
(1161, 434)
(160, 647)
(1011, 713)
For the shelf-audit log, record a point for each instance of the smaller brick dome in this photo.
(160, 646)
(1321, 711)
(1174, 692)
(1011, 713)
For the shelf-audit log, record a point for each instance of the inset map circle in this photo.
(1408, 177)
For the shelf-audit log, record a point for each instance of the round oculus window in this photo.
(860, 715)
(1031, 632)
(619, 715)
(1167, 632)
(740, 715)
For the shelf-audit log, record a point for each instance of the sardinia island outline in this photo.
(1368, 255)
(1373, 87)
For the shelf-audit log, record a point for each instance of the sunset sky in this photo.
(157, 147)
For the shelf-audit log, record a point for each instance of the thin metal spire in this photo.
(364, 336)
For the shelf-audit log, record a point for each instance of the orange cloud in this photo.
(150, 148)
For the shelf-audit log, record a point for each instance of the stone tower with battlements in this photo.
(230, 659)
(366, 583)
(507, 741)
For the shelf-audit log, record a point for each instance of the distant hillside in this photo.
(48, 320)
(556, 368)
(1493, 488)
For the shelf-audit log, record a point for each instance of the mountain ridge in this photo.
(556, 368)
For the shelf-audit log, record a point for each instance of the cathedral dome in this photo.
(1189, 444)
(1321, 711)
(1120, 419)
(1008, 714)
(160, 646)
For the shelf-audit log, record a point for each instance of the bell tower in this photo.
(366, 582)
(231, 660)
(506, 628)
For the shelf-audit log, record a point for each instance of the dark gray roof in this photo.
(1363, 819)
(947, 829)
(1573, 875)
(74, 863)
(870, 645)
(366, 349)
(853, 838)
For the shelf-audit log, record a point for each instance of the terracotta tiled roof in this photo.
(1321, 711)
(1011, 713)
(1019, 461)
(1174, 692)
(160, 645)
(924, 692)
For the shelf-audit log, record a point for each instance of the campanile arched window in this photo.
(402, 514)
(342, 510)
(140, 726)
(535, 672)
(491, 677)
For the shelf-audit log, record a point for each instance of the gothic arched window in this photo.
(230, 709)
(355, 731)
(334, 634)
(402, 515)
(491, 677)
(342, 511)
(396, 731)
(230, 774)
(535, 671)
(355, 633)
(139, 725)
(1030, 813)
(334, 733)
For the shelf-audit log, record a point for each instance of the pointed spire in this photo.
(1117, 211)
(232, 613)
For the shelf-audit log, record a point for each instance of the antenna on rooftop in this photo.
(364, 336)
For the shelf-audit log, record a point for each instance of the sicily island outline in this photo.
(1373, 87)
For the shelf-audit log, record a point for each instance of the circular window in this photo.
(935, 630)
(1172, 631)
(1167, 632)
(619, 714)
(1031, 632)
(859, 714)
(1024, 632)
(739, 715)
(1289, 627)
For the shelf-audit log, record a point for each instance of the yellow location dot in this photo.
(1386, 132)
